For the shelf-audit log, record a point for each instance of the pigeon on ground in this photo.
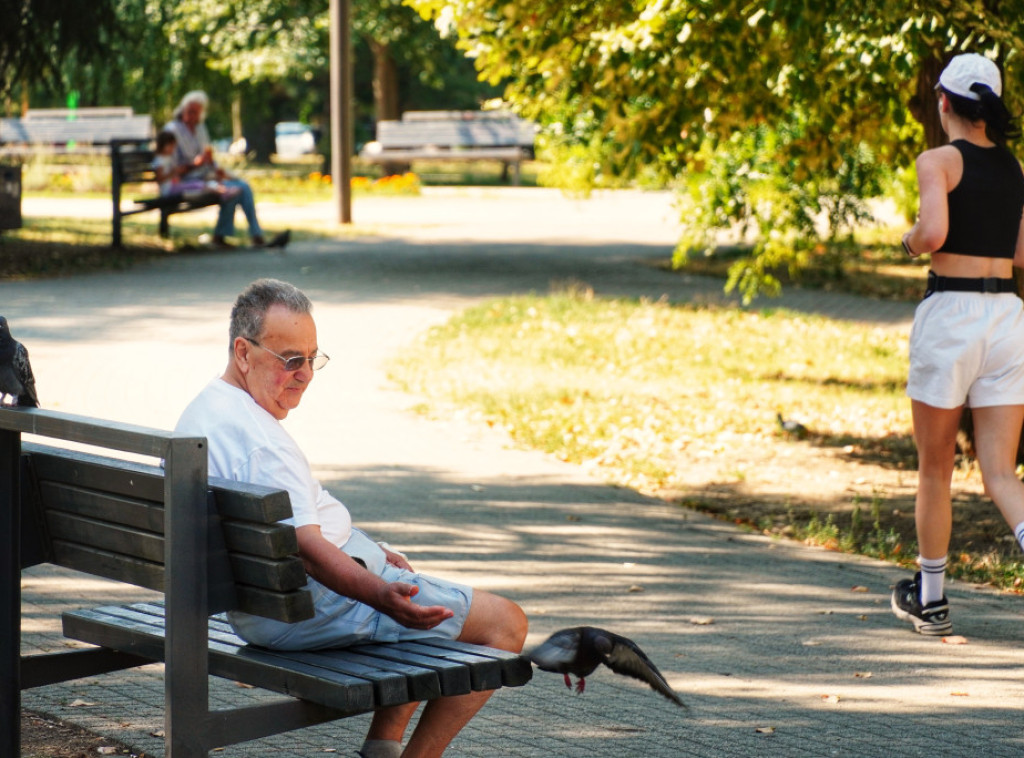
(791, 428)
(582, 649)
(16, 378)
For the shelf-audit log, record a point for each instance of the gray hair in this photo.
(259, 297)
(195, 96)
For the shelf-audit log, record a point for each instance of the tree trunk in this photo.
(236, 115)
(924, 105)
(385, 82)
(385, 94)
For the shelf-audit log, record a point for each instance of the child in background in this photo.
(168, 175)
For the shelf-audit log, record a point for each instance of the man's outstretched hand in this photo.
(396, 601)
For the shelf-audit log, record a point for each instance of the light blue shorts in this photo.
(342, 621)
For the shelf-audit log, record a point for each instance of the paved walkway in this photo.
(779, 649)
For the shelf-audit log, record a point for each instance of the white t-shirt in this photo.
(247, 444)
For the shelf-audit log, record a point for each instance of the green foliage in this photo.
(37, 35)
(658, 81)
(789, 217)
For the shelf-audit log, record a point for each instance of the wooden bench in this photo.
(209, 546)
(454, 136)
(78, 130)
(131, 163)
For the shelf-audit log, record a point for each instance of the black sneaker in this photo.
(931, 619)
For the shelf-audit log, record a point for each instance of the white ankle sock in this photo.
(933, 575)
(381, 749)
(1019, 534)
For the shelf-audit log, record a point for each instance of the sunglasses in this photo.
(296, 362)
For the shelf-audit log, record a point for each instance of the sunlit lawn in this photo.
(632, 387)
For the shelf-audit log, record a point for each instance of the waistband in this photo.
(989, 284)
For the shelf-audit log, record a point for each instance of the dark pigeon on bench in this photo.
(580, 650)
(16, 378)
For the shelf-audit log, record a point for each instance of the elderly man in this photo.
(362, 591)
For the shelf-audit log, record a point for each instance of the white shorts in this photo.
(967, 347)
(342, 621)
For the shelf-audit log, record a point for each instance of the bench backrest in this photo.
(131, 161)
(105, 516)
(87, 131)
(453, 129)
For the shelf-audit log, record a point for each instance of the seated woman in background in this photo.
(194, 154)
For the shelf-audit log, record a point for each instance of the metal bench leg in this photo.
(165, 225)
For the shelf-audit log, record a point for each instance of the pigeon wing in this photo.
(23, 370)
(627, 658)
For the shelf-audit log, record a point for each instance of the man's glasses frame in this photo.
(296, 362)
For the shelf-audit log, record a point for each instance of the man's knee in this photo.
(495, 621)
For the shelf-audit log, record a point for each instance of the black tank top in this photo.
(985, 207)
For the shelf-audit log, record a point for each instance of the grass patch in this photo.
(645, 393)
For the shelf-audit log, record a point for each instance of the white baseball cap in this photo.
(967, 69)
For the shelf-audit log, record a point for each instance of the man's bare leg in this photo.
(492, 621)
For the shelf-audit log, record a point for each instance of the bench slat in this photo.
(290, 607)
(248, 502)
(271, 541)
(285, 574)
(485, 672)
(118, 477)
(516, 669)
(120, 568)
(421, 683)
(112, 537)
(121, 628)
(455, 678)
(140, 514)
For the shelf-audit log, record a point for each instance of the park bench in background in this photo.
(208, 545)
(131, 163)
(65, 130)
(453, 136)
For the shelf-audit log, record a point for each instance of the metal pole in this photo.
(342, 128)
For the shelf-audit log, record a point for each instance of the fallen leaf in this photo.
(702, 620)
(79, 703)
(955, 639)
(959, 694)
(244, 686)
(105, 750)
(859, 588)
(158, 733)
(862, 674)
(862, 617)
(636, 588)
(811, 643)
(831, 698)
(765, 730)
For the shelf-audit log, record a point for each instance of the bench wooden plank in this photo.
(120, 628)
(455, 678)
(516, 669)
(485, 672)
(92, 131)
(421, 683)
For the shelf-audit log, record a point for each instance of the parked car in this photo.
(293, 138)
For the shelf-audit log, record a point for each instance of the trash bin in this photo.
(10, 197)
